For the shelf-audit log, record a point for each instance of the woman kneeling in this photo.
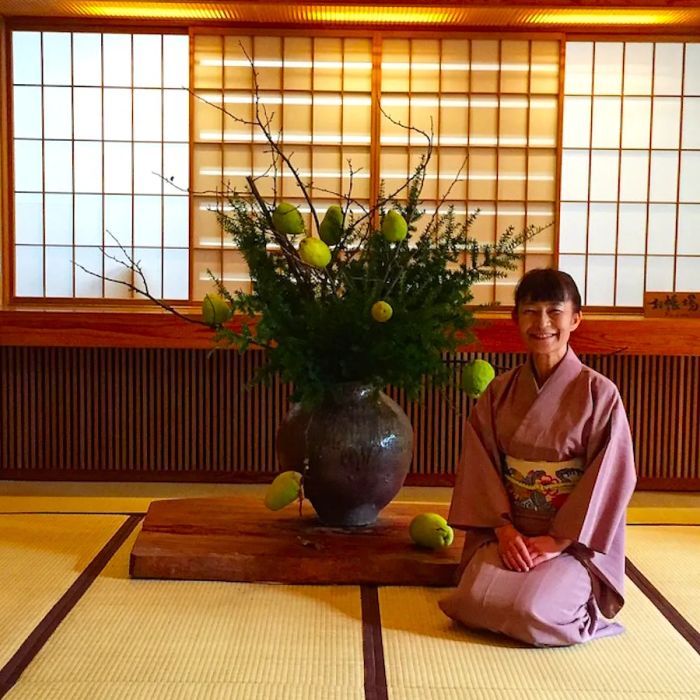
(546, 474)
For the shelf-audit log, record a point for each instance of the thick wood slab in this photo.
(238, 539)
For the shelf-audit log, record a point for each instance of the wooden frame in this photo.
(495, 332)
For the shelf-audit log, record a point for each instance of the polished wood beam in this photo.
(495, 332)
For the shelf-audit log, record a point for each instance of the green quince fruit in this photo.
(331, 228)
(382, 311)
(394, 227)
(431, 530)
(476, 376)
(287, 219)
(285, 489)
(215, 309)
(313, 251)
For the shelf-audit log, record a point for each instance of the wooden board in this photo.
(238, 539)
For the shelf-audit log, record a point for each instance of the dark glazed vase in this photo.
(290, 441)
(359, 444)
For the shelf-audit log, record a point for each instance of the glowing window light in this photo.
(493, 212)
(238, 172)
(284, 63)
(480, 67)
(331, 100)
(417, 140)
(478, 102)
(331, 139)
(213, 206)
(479, 177)
(603, 17)
(337, 100)
(155, 10)
(386, 65)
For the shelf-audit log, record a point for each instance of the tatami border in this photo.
(13, 669)
(372, 645)
(681, 625)
(375, 681)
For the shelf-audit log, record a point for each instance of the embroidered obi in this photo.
(537, 490)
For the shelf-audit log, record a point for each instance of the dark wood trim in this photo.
(447, 480)
(251, 477)
(13, 669)
(681, 625)
(372, 645)
(6, 175)
(650, 483)
(106, 25)
(146, 477)
(667, 524)
(495, 332)
(130, 514)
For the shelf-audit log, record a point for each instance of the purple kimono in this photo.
(554, 460)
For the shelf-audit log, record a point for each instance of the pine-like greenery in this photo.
(316, 324)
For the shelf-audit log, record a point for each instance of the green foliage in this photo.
(317, 326)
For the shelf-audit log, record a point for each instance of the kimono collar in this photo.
(567, 369)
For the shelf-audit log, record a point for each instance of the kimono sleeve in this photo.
(479, 498)
(595, 509)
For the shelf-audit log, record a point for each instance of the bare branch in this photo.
(265, 128)
(444, 197)
(148, 295)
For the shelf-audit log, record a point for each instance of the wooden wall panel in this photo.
(185, 415)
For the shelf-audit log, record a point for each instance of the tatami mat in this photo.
(131, 639)
(669, 557)
(40, 557)
(430, 658)
(67, 497)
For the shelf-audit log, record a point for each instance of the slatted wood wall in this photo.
(185, 415)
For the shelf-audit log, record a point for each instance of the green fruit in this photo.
(315, 252)
(381, 311)
(476, 376)
(285, 489)
(431, 530)
(394, 227)
(331, 228)
(287, 219)
(215, 309)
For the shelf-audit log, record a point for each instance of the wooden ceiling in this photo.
(513, 15)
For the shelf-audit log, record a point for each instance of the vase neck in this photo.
(350, 391)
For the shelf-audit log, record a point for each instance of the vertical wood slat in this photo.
(91, 413)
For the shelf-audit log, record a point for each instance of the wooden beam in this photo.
(600, 334)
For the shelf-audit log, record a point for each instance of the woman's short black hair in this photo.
(547, 284)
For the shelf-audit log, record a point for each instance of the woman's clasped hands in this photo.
(521, 553)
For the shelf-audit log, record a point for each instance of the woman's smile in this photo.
(545, 327)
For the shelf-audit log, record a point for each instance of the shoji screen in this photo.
(315, 92)
(100, 123)
(493, 102)
(630, 184)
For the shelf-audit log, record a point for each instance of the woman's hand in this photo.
(513, 548)
(545, 547)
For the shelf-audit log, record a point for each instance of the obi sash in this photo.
(537, 490)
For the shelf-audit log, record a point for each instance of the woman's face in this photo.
(545, 326)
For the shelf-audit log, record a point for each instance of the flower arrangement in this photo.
(365, 300)
(363, 297)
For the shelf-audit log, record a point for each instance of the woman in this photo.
(545, 477)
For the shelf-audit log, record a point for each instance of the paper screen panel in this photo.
(100, 137)
(313, 91)
(476, 98)
(629, 180)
